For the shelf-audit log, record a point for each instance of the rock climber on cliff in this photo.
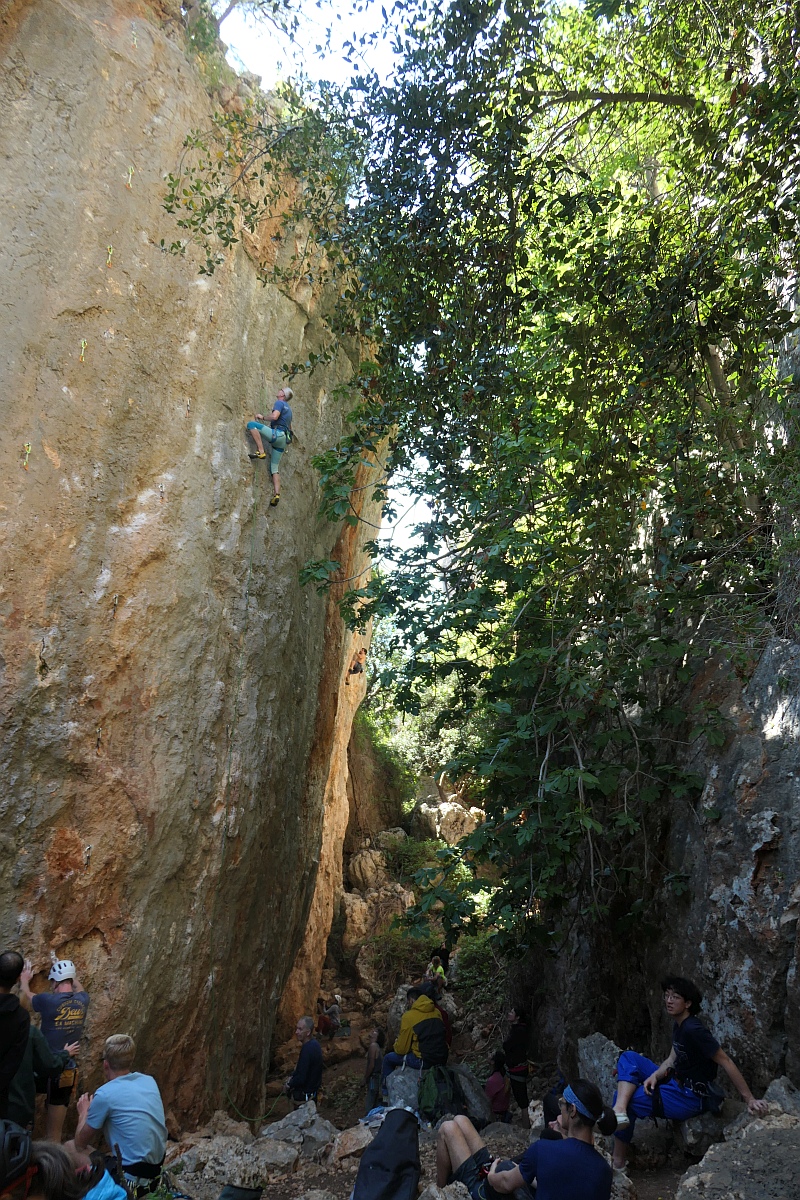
(278, 433)
(683, 1085)
(63, 1012)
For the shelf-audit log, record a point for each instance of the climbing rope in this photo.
(227, 793)
(252, 1120)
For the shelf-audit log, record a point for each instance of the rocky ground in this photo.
(314, 1153)
(305, 1155)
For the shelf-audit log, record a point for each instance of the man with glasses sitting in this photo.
(683, 1085)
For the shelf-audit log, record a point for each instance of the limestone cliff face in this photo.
(727, 898)
(173, 745)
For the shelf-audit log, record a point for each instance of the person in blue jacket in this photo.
(277, 433)
(304, 1082)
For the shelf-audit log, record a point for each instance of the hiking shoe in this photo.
(274, 499)
(256, 456)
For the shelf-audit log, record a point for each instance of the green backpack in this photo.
(437, 1094)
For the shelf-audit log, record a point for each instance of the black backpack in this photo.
(389, 1167)
(15, 1153)
(432, 1042)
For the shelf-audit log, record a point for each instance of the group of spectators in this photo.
(126, 1112)
(563, 1163)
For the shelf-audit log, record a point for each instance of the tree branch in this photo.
(233, 4)
(674, 99)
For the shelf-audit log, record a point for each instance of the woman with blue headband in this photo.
(569, 1169)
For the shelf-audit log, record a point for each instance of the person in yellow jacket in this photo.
(421, 1041)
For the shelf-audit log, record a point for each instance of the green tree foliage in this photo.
(569, 234)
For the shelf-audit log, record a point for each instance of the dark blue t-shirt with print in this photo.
(63, 1016)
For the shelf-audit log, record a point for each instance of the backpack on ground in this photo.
(439, 1094)
(389, 1167)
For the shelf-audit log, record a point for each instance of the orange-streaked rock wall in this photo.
(174, 731)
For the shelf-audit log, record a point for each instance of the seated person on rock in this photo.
(128, 1111)
(567, 1168)
(435, 973)
(304, 1083)
(421, 1041)
(329, 1020)
(679, 1088)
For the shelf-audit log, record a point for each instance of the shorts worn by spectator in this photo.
(128, 1111)
(567, 1169)
(682, 1086)
(14, 1024)
(305, 1081)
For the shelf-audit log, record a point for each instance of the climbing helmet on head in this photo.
(62, 969)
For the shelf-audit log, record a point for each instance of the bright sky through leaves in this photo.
(258, 47)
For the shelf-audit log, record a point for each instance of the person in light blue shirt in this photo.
(127, 1111)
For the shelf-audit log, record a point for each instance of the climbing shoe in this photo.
(274, 500)
(256, 456)
(623, 1120)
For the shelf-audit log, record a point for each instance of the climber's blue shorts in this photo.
(679, 1102)
(277, 438)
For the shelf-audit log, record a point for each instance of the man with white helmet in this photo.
(63, 1013)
